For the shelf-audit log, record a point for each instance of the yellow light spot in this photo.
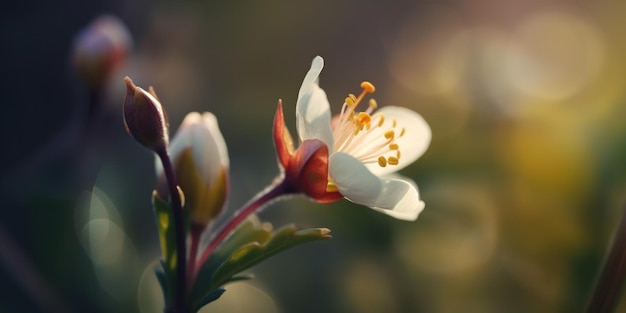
(164, 220)
(392, 161)
(382, 162)
(394, 146)
(331, 187)
(390, 134)
(368, 87)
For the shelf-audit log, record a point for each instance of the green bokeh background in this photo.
(524, 180)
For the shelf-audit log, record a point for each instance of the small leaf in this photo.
(253, 253)
(251, 243)
(252, 230)
(212, 296)
(162, 278)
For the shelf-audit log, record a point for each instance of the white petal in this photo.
(312, 107)
(413, 143)
(353, 179)
(399, 199)
(202, 134)
(395, 197)
(210, 121)
(312, 76)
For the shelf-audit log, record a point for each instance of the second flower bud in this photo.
(200, 160)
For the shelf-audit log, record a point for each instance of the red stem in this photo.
(257, 202)
(196, 232)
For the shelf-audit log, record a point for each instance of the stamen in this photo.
(364, 118)
(389, 134)
(398, 155)
(373, 104)
(382, 162)
(349, 101)
(382, 119)
(395, 123)
(392, 161)
(368, 87)
(393, 146)
(402, 132)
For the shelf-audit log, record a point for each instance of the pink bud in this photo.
(99, 49)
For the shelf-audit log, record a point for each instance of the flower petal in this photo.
(399, 199)
(413, 143)
(312, 107)
(201, 132)
(353, 180)
(395, 197)
(215, 144)
(282, 138)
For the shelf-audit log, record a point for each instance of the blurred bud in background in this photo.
(200, 159)
(99, 49)
(144, 117)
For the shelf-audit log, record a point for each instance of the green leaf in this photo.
(212, 296)
(250, 244)
(252, 253)
(252, 230)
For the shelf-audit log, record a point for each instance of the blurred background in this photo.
(524, 180)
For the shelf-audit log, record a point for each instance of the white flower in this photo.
(200, 160)
(365, 147)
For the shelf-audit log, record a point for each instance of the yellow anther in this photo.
(392, 161)
(398, 154)
(352, 96)
(394, 146)
(395, 123)
(382, 162)
(368, 87)
(402, 132)
(364, 118)
(382, 120)
(390, 134)
(349, 102)
(373, 104)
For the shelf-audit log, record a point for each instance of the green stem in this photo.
(609, 285)
(179, 305)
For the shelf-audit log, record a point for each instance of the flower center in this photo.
(366, 135)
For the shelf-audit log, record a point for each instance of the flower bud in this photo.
(99, 49)
(144, 117)
(200, 160)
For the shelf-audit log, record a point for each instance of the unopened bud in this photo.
(99, 49)
(144, 117)
(200, 160)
